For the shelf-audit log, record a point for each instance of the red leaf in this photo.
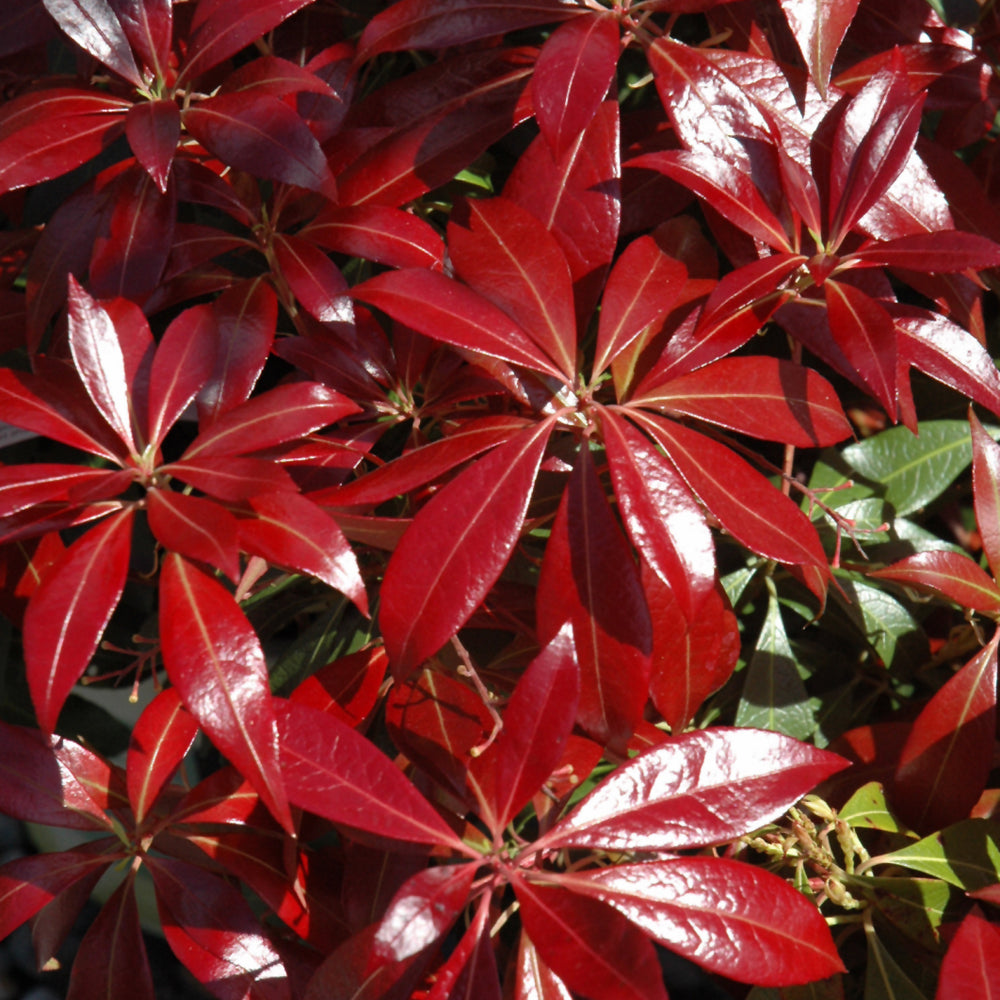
(945, 761)
(693, 656)
(986, 490)
(470, 972)
(153, 130)
(198, 529)
(148, 25)
(92, 24)
(211, 928)
(445, 310)
(534, 979)
(294, 533)
(536, 724)
(347, 687)
(941, 252)
(160, 739)
(314, 279)
(971, 966)
(574, 70)
(68, 613)
(456, 549)
(232, 479)
(423, 911)
(263, 136)
(951, 574)
(47, 133)
(764, 397)
(819, 27)
(111, 960)
(589, 578)
(594, 949)
(213, 658)
(700, 788)
(25, 486)
(709, 910)
(333, 771)
(643, 286)
(505, 254)
(281, 414)
(663, 519)
(221, 28)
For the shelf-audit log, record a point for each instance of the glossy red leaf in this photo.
(160, 739)
(314, 279)
(505, 254)
(456, 549)
(596, 951)
(214, 659)
(534, 980)
(940, 252)
(572, 75)
(47, 133)
(986, 490)
(263, 136)
(281, 414)
(710, 911)
(67, 615)
(693, 655)
(662, 518)
(232, 479)
(24, 486)
(746, 504)
(379, 233)
(294, 533)
(536, 725)
(211, 928)
(589, 578)
(148, 25)
(111, 961)
(92, 24)
(470, 972)
(948, 573)
(333, 771)
(221, 28)
(443, 309)
(49, 780)
(704, 787)
(945, 762)
(643, 286)
(765, 397)
(198, 529)
(423, 911)
(819, 27)
(971, 966)
(348, 687)
(180, 367)
(98, 357)
(153, 129)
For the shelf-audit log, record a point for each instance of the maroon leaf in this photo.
(161, 737)
(456, 548)
(335, 772)
(700, 788)
(572, 75)
(68, 613)
(595, 950)
(263, 136)
(314, 279)
(986, 490)
(153, 130)
(211, 928)
(819, 27)
(48, 133)
(423, 911)
(197, 529)
(347, 687)
(709, 910)
(971, 966)
(951, 574)
(148, 25)
(470, 972)
(944, 765)
(92, 24)
(661, 516)
(214, 659)
(293, 532)
(111, 961)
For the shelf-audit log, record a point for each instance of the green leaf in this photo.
(966, 854)
(867, 809)
(774, 696)
(916, 907)
(885, 623)
(885, 980)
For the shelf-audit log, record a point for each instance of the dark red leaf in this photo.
(67, 615)
(314, 279)
(333, 771)
(986, 490)
(951, 574)
(470, 972)
(456, 549)
(940, 252)
(348, 687)
(92, 24)
(596, 951)
(148, 25)
(700, 788)
(819, 27)
(213, 658)
(198, 529)
(153, 129)
(572, 75)
(945, 761)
